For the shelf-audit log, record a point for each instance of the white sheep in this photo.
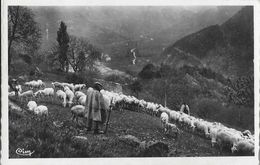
(47, 92)
(226, 139)
(174, 116)
(77, 111)
(164, 120)
(57, 85)
(26, 94)
(70, 96)
(79, 87)
(213, 131)
(107, 101)
(62, 95)
(82, 100)
(71, 86)
(30, 84)
(40, 83)
(172, 129)
(78, 94)
(34, 84)
(187, 121)
(243, 146)
(41, 110)
(202, 126)
(31, 105)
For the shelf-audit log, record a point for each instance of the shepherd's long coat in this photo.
(94, 105)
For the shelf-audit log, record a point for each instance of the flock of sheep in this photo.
(220, 135)
(72, 96)
(65, 92)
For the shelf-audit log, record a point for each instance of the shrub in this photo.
(75, 78)
(207, 108)
(116, 78)
(233, 115)
(149, 72)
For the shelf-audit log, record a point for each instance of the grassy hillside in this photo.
(47, 140)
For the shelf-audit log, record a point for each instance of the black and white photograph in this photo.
(130, 81)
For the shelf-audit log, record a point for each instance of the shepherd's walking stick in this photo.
(108, 118)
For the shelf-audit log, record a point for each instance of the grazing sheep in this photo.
(82, 100)
(48, 92)
(77, 111)
(244, 147)
(225, 139)
(78, 94)
(26, 94)
(201, 126)
(164, 120)
(107, 101)
(45, 92)
(70, 96)
(213, 131)
(31, 105)
(40, 84)
(188, 122)
(34, 84)
(79, 87)
(41, 110)
(30, 84)
(62, 95)
(71, 86)
(172, 129)
(57, 85)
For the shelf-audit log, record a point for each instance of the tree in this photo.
(94, 55)
(81, 54)
(63, 40)
(23, 31)
(241, 92)
(149, 71)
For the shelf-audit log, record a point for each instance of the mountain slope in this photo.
(112, 28)
(225, 48)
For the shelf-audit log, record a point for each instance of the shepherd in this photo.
(185, 108)
(95, 111)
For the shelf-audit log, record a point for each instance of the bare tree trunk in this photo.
(12, 37)
(67, 66)
(9, 53)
